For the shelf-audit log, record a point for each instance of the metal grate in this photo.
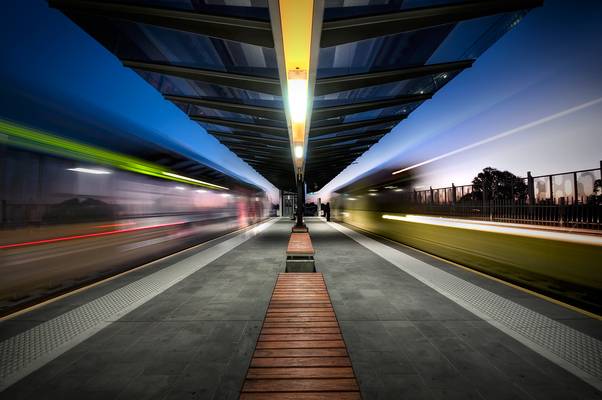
(24, 353)
(576, 352)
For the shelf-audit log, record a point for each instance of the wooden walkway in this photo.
(300, 354)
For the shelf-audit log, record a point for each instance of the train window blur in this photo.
(97, 220)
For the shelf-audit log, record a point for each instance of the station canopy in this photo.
(377, 62)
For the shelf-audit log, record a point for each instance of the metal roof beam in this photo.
(317, 140)
(246, 137)
(250, 149)
(355, 81)
(354, 29)
(274, 130)
(256, 111)
(335, 146)
(258, 142)
(242, 30)
(321, 130)
(346, 109)
(247, 82)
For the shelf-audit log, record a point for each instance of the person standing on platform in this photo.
(327, 211)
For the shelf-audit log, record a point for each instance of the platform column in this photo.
(300, 200)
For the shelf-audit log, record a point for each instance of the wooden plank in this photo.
(287, 353)
(297, 336)
(304, 324)
(298, 308)
(300, 373)
(300, 314)
(276, 306)
(301, 396)
(300, 319)
(300, 385)
(259, 362)
(281, 331)
(302, 344)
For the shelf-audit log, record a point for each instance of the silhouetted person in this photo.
(327, 211)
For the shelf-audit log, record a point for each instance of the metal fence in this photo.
(570, 200)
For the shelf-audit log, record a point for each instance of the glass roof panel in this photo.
(338, 9)
(378, 113)
(150, 43)
(387, 52)
(213, 113)
(254, 9)
(426, 84)
(469, 39)
(186, 87)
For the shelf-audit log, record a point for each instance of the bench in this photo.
(300, 253)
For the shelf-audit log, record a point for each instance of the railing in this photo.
(582, 216)
(570, 200)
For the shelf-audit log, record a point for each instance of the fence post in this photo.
(562, 211)
(453, 199)
(531, 188)
(551, 189)
(575, 189)
(432, 198)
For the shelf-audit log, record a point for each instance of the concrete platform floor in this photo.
(195, 339)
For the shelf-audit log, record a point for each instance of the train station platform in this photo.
(187, 327)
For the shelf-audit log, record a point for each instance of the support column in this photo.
(300, 201)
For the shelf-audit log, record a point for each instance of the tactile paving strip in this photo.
(29, 350)
(567, 347)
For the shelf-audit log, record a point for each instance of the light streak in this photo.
(504, 134)
(88, 235)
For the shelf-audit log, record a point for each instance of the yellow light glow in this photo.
(297, 95)
(298, 151)
(296, 17)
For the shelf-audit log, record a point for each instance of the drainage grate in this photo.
(24, 353)
(576, 352)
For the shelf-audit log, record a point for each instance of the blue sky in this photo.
(56, 77)
(534, 98)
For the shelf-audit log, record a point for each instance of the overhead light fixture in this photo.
(296, 23)
(201, 191)
(90, 171)
(297, 95)
(298, 151)
(180, 188)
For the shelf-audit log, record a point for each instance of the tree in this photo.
(493, 184)
(596, 196)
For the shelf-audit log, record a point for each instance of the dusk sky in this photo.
(534, 100)
(54, 76)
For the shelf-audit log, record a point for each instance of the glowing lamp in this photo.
(298, 151)
(297, 95)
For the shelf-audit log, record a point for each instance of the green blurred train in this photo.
(546, 260)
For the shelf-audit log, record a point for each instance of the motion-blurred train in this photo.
(549, 259)
(65, 223)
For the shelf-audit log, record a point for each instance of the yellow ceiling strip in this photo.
(296, 18)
